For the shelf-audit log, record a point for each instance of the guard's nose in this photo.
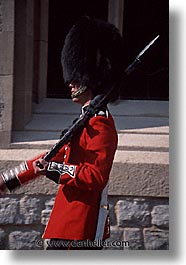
(72, 87)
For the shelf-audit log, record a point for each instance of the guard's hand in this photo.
(40, 170)
(2, 186)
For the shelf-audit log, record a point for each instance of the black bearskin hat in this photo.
(93, 55)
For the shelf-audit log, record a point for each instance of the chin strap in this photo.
(80, 91)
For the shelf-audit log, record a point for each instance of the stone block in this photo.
(8, 210)
(2, 108)
(19, 240)
(5, 138)
(7, 15)
(6, 86)
(1, 17)
(156, 239)
(41, 185)
(50, 203)
(6, 53)
(115, 242)
(132, 213)
(160, 215)
(2, 239)
(45, 214)
(112, 214)
(30, 209)
(143, 142)
(135, 238)
(139, 179)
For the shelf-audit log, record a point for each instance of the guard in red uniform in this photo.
(92, 62)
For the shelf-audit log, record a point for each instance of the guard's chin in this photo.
(76, 100)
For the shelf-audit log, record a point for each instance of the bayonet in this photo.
(137, 60)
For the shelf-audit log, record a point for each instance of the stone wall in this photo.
(136, 223)
(23, 62)
(6, 69)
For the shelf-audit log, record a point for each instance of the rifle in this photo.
(95, 105)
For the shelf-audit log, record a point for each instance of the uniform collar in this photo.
(84, 109)
(103, 112)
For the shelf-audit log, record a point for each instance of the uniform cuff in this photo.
(57, 172)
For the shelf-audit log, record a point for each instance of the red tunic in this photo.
(75, 212)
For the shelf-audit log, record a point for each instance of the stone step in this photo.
(124, 107)
(136, 173)
(54, 115)
(126, 141)
(148, 142)
(120, 156)
(141, 125)
(59, 122)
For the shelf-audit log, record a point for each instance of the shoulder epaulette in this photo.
(103, 113)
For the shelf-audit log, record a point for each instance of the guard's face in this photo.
(83, 98)
(74, 88)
